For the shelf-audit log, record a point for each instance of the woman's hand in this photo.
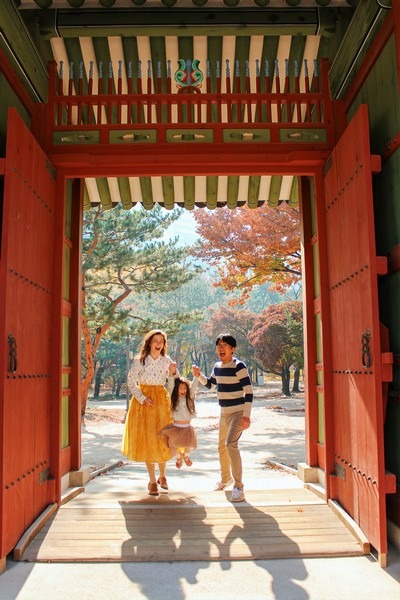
(195, 371)
(172, 369)
(148, 401)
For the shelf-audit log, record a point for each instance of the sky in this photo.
(184, 227)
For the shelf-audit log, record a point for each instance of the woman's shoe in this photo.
(187, 460)
(178, 463)
(153, 489)
(162, 482)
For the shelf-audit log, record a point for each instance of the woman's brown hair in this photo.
(145, 349)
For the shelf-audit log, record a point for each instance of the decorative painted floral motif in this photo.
(188, 77)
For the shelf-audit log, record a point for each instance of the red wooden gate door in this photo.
(358, 482)
(26, 301)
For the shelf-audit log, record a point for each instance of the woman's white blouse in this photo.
(153, 372)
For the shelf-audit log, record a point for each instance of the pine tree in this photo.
(123, 251)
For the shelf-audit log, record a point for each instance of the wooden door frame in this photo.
(309, 170)
(69, 458)
(257, 161)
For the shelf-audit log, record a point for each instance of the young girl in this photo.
(180, 436)
(149, 409)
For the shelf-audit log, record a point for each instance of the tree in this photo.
(237, 322)
(262, 296)
(191, 301)
(124, 251)
(249, 247)
(277, 336)
(111, 358)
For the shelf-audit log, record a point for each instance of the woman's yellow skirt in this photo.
(140, 442)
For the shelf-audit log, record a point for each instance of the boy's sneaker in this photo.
(237, 495)
(222, 485)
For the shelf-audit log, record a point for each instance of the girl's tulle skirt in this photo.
(140, 441)
(179, 437)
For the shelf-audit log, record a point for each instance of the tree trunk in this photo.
(97, 384)
(285, 374)
(88, 353)
(296, 380)
(118, 387)
(205, 365)
(91, 345)
(178, 356)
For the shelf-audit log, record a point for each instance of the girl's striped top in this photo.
(234, 389)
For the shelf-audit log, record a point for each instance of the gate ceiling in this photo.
(154, 34)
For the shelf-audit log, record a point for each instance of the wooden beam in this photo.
(125, 192)
(33, 530)
(224, 21)
(15, 82)
(189, 191)
(369, 61)
(366, 21)
(253, 191)
(21, 51)
(212, 191)
(232, 191)
(226, 161)
(396, 26)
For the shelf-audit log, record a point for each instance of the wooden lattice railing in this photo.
(216, 109)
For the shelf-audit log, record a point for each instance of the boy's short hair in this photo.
(227, 338)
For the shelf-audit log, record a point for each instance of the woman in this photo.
(150, 408)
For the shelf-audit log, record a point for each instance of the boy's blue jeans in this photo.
(230, 430)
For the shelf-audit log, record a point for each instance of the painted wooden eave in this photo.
(180, 22)
(64, 25)
(367, 19)
(22, 52)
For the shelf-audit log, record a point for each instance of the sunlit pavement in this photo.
(355, 578)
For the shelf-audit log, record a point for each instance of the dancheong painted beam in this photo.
(211, 107)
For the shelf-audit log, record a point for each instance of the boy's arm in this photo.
(208, 382)
(243, 375)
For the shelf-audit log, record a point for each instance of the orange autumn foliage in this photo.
(249, 247)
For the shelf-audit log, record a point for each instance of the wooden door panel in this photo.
(359, 479)
(27, 272)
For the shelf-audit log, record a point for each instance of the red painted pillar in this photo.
(310, 349)
(322, 303)
(75, 322)
(56, 339)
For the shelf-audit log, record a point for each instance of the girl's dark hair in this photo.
(227, 338)
(175, 395)
(145, 349)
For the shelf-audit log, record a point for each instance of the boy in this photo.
(235, 396)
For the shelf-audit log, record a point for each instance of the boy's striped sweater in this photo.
(234, 389)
